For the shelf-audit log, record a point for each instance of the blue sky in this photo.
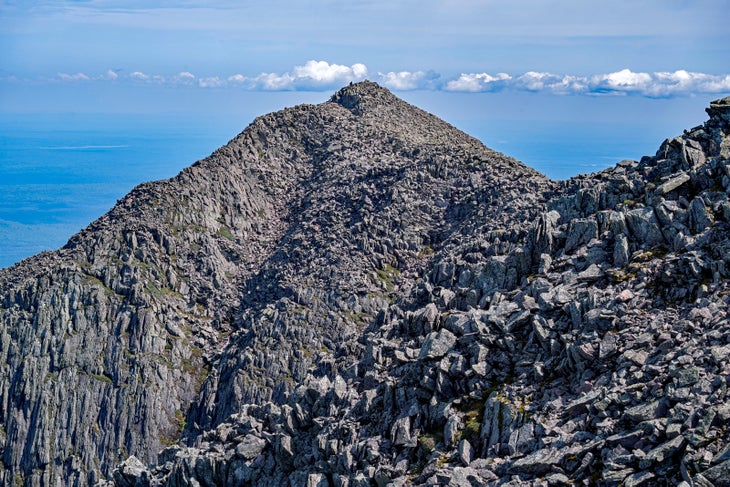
(649, 66)
(565, 86)
(653, 48)
(652, 65)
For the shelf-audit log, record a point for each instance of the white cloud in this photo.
(322, 75)
(73, 77)
(148, 78)
(408, 80)
(549, 82)
(478, 82)
(110, 75)
(536, 81)
(570, 84)
(622, 81)
(359, 70)
(211, 82)
(237, 78)
(718, 84)
(138, 75)
(684, 82)
(659, 84)
(403, 80)
(312, 75)
(274, 82)
(183, 78)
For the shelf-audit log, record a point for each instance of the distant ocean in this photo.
(60, 172)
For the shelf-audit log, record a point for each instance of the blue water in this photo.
(564, 150)
(60, 172)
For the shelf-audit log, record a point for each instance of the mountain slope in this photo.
(587, 345)
(356, 293)
(231, 282)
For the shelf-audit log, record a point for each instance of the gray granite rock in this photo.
(356, 292)
(437, 344)
(673, 183)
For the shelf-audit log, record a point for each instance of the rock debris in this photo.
(356, 293)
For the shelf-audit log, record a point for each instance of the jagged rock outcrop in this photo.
(356, 293)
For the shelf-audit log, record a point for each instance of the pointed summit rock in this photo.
(361, 97)
(393, 116)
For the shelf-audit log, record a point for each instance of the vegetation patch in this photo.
(180, 419)
(103, 378)
(160, 291)
(427, 443)
(225, 232)
(91, 280)
(617, 275)
(473, 413)
(427, 251)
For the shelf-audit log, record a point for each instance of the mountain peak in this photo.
(358, 97)
(360, 281)
(719, 112)
(382, 110)
(722, 102)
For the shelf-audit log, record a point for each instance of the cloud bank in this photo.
(624, 82)
(313, 75)
(322, 76)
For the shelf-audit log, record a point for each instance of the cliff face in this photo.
(357, 292)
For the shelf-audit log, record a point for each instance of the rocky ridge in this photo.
(356, 293)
